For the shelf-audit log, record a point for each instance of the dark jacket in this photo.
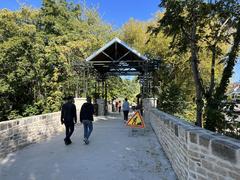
(68, 113)
(86, 112)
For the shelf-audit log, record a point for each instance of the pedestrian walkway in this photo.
(112, 154)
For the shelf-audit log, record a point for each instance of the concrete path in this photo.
(113, 154)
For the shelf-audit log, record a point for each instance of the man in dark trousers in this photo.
(125, 109)
(69, 118)
(86, 117)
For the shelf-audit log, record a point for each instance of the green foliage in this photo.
(14, 114)
(170, 100)
(123, 88)
(215, 119)
(37, 50)
(201, 29)
(134, 33)
(40, 48)
(172, 83)
(171, 42)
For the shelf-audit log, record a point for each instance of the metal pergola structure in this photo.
(116, 58)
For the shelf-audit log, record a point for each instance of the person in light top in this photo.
(125, 108)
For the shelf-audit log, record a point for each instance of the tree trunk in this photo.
(212, 81)
(199, 93)
(197, 78)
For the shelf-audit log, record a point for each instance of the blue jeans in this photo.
(88, 127)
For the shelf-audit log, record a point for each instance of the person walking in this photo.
(68, 118)
(125, 108)
(86, 118)
(116, 106)
(119, 106)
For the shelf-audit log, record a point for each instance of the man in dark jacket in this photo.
(68, 118)
(86, 117)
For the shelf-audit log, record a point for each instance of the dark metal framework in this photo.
(117, 58)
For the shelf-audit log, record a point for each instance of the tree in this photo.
(17, 53)
(38, 51)
(192, 24)
(215, 112)
(171, 65)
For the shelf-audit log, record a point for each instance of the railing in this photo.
(195, 153)
(19, 133)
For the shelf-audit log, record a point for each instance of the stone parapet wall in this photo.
(196, 153)
(18, 133)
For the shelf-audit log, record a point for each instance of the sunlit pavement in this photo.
(114, 153)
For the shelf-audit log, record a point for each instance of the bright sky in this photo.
(236, 75)
(116, 12)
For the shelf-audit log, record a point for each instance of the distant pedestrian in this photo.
(68, 118)
(119, 106)
(86, 117)
(125, 109)
(116, 106)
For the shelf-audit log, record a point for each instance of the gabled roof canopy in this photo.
(117, 58)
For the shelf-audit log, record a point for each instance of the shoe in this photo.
(67, 142)
(86, 141)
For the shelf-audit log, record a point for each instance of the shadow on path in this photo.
(113, 154)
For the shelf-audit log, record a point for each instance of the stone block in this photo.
(191, 153)
(194, 147)
(201, 171)
(14, 123)
(224, 165)
(221, 177)
(204, 140)
(172, 126)
(165, 121)
(207, 165)
(193, 137)
(10, 125)
(176, 130)
(3, 126)
(10, 132)
(234, 175)
(21, 122)
(236, 168)
(200, 177)
(204, 151)
(3, 135)
(2, 155)
(212, 176)
(192, 165)
(220, 170)
(225, 150)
